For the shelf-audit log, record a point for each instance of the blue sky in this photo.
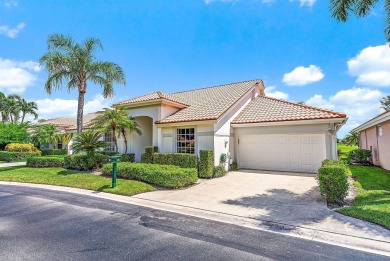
(300, 52)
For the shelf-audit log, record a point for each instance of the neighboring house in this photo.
(375, 136)
(237, 119)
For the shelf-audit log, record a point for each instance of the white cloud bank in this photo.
(272, 92)
(11, 32)
(360, 105)
(371, 66)
(303, 75)
(15, 76)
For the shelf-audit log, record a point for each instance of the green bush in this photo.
(360, 156)
(10, 156)
(234, 166)
(206, 164)
(21, 147)
(129, 157)
(47, 152)
(147, 157)
(183, 160)
(45, 162)
(83, 162)
(106, 152)
(167, 176)
(13, 133)
(333, 181)
(218, 171)
(151, 149)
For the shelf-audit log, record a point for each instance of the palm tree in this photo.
(341, 9)
(88, 142)
(12, 108)
(3, 108)
(28, 108)
(116, 122)
(44, 134)
(351, 139)
(76, 64)
(65, 138)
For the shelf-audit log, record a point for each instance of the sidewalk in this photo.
(12, 164)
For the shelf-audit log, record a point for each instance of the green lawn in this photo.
(67, 178)
(345, 149)
(373, 200)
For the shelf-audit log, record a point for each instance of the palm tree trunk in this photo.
(24, 114)
(115, 140)
(80, 110)
(125, 139)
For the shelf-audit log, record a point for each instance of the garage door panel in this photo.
(300, 153)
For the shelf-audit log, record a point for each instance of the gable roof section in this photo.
(153, 96)
(385, 116)
(267, 109)
(70, 123)
(209, 103)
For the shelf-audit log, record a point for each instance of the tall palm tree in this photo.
(44, 134)
(351, 139)
(28, 108)
(116, 122)
(76, 64)
(342, 8)
(13, 107)
(3, 108)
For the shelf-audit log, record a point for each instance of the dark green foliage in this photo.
(13, 133)
(234, 166)
(183, 160)
(45, 162)
(83, 162)
(108, 153)
(206, 164)
(360, 156)
(147, 157)
(129, 157)
(218, 171)
(333, 181)
(9, 156)
(46, 152)
(167, 176)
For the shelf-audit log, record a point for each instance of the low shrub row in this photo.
(129, 157)
(360, 156)
(45, 162)
(10, 156)
(21, 147)
(333, 181)
(219, 171)
(182, 160)
(46, 152)
(83, 162)
(167, 176)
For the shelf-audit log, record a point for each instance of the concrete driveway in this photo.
(289, 199)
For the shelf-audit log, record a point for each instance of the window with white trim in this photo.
(109, 139)
(185, 140)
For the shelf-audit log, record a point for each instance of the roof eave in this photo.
(150, 103)
(373, 122)
(340, 120)
(185, 123)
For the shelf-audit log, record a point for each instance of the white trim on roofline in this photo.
(299, 122)
(373, 122)
(185, 123)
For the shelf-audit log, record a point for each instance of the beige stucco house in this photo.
(237, 119)
(375, 136)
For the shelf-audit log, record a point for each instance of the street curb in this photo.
(348, 241)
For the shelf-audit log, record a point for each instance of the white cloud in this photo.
(53, 108)
(360, 105)
(308, 3)
(371, 66)
(9, 3)
(11, 32)
(271, 92)
(303, 75)
(15, 76)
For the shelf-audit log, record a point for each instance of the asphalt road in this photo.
(38, 224)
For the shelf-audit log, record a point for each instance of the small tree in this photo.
(351, 139)
(385, 103)
(88, 142)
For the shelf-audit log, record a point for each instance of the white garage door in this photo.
(298, 153)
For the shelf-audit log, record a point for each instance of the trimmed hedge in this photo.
(129, 157)
(21, 147)
(333, 181)
(9, 156)
(167, 176)
(45, 162)
(206, 164)
(218, 171)
(46, 152)
(183, 160)
(83, 162)
(108, 153)
(147, 157)
(360, 156)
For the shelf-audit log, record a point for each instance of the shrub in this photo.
(206, 164)
(10, 156)
(360, 156)
(21, 147)
(234, 166)
(46, 152)
(45, 162)
(106, 152)
(167, 176)
(183, 160)
(218, 171)
(147, 157)
(129, 157)
(333, 181)
(83, 162)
